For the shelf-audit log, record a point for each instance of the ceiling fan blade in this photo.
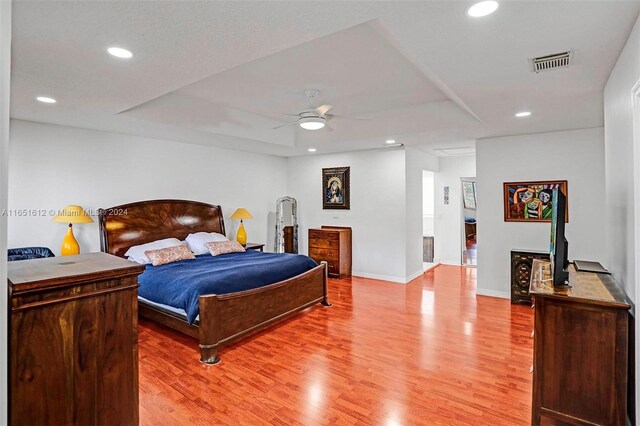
(329, 116)
(323, 109)
(329, 128)
(284, 125)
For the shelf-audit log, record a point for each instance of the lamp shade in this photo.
(73, 214)
(241, 213)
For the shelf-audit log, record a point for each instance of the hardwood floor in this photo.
(429, 352)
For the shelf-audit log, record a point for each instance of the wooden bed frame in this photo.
(224, 318)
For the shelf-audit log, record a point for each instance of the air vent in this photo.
(551, 62)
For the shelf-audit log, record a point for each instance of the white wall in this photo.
(53, 166)
(449, 218)
(5, 77)
(622, 170)
(428, 200)
(377, 214)
(416, 162)
(575, 155)
(619, 154)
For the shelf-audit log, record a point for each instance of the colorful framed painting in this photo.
(532, 201)
(335, 188)
(469, 194)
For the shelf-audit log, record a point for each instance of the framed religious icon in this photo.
(335, 188)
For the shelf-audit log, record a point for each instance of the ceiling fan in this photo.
(314, 118)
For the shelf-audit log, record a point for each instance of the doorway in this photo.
(469, 222)
(428, 220)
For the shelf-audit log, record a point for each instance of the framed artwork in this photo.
(469, 194)
(532, 201)
(335, 188)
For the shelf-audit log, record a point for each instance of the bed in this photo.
(222, 318)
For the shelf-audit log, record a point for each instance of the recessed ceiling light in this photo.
(390, 141)
(119, 52)
(523, 114)
(311, 123)
(483, 8)
(46, 100)
(312, 150)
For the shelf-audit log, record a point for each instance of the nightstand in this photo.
(254, 246)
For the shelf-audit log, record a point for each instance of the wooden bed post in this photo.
(325, 284)
(209, 338)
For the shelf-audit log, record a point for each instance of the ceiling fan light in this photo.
(312, 123)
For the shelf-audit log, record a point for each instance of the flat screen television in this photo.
(559, 246)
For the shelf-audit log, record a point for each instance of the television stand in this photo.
(580, 349)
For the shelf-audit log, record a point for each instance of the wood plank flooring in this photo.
(430, 352)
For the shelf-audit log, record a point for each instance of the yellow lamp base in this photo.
(69, 245)
(242, 234)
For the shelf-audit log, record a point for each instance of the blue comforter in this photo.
(180, 283)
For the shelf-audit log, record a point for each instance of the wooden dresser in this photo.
(74, 341)
(580, 350)
(333, 245)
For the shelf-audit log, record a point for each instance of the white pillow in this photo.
(198, 240)
(136, 253)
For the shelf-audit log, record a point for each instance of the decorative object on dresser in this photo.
(335, 188)
(521, 263)
(241, 214)
(531, 201)
(73, 340)
(332, 244)
(71, 214)
(581, 345)
(223, 318)
(286, 240)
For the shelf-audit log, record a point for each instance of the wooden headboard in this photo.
(137, 223)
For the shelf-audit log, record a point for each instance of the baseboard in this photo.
(399, 280)
(493, 293)
(434, 266)
(450, 262)
(390, 278)
(414, 276)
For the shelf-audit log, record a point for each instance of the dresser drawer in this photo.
(323, 254)
(323, 243)
(324, 235)
(333, 268)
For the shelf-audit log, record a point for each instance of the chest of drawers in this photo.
(581, 345)
(74, 340)
(333, 245)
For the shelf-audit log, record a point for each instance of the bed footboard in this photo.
(228, 317)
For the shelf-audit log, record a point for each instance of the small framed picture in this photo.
(469, 194)
(335, 188)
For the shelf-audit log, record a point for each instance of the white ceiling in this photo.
(223, 73)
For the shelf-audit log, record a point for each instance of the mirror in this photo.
(286, 240)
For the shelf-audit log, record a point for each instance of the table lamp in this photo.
(71, 214)
(241, 213)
